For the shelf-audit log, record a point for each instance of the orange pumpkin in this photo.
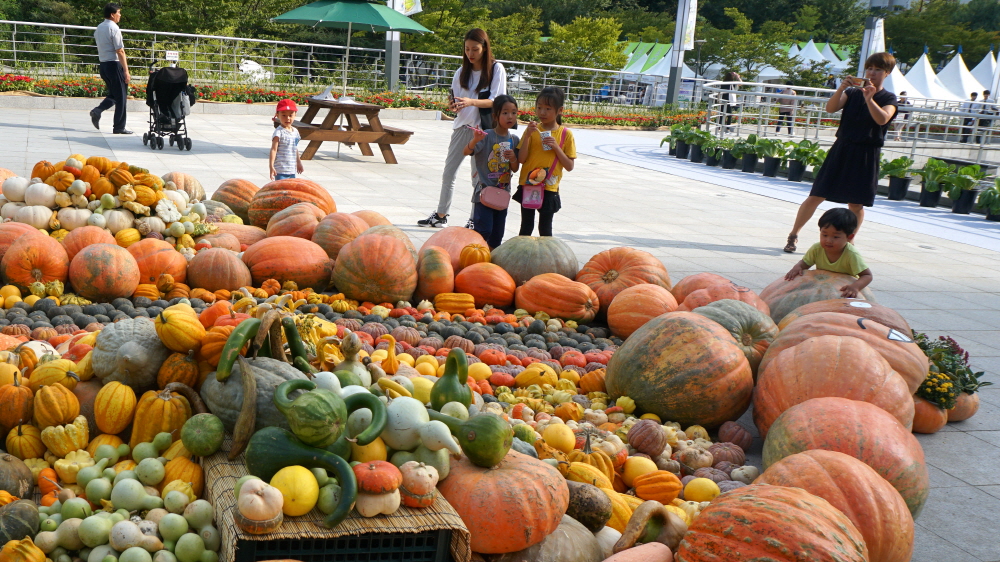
(864, 309)
(35, 258)
(636, 305)
(43, 170)
(213, 313)
(336, 230)
(659, 485)
(299, 220)
(120, 176)
(281, 194)
(184, 469)
(211, 346)
(692, 283)
(814, 285)
(287, 258)
(102, 164)
(612, 271)
(488, 283)
(60, 180)
(435, 274)
(17, 400)
(372, 218)
(103, 186)
(708, 295)
(156, 257)
(55, 405)
(179, 367)
(80, 238)
(114, 407)
(453, 239)
(244, 233)
(11, 232)
(104, 272)
(928, 417)
(559, 297)
(593, 381)
(156, 412)
(217, 268)
(236, 194)
(376, 268)
(473, 253)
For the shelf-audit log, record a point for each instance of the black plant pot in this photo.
(963, 205)
(694, 153)
(682, 150)
(796, 169)
(750, 163)
(672, 151)
(898, 188)
(771, 166)
(728, 160)
(712, 160)
(992, 217)
(929, 198)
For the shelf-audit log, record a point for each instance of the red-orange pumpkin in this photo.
(222, 240)
(927, 416)
(488, 283)
(903, 355)
(713, 293)
(813, 285)
(682, 367)
(245, 233)
(376, 268)
(35, 258)
(299, 220)
(287, 258)
(337, 229)
(865, 309)
(80, 238)
(692, 283)
(11, 232)
(841, 366)
(236, 194)
(186, 183)
(104, 272)
(372, 218)
(611, 271)
(637, 305)
(509, 507)
(217, 268)
(281, 194)
(156, 257)
(965, 407)
(435, 274)
(452, 239)
(859, 429)
(559, 297)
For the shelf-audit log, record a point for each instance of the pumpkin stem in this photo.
(586, 445)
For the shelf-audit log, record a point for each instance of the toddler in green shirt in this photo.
(834, 252)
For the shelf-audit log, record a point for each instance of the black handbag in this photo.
(486, 113)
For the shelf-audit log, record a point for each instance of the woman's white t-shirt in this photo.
(470, 115)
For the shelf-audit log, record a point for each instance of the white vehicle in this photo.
(254, 72)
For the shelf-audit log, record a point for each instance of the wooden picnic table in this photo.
(351, 131)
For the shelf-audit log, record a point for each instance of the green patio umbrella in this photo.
(348, 14)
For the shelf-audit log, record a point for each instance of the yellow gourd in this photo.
(299, 488)
(560, 437)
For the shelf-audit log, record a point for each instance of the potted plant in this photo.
(696, 140)
(675, 136)
(747, 150)
(712, 150)
(801, 154)
(899, 182)
(935, 177)
(773, 152)
(963, 190)
(728, 159)
(989, 201)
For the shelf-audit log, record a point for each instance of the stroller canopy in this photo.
(166, 83)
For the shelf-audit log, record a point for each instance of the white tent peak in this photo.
(956, 77)
(896, 83)
(810, 54)
(794, 50)
(923, 79)
(985, 69)
(829, 54)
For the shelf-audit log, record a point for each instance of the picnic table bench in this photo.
(351, 131)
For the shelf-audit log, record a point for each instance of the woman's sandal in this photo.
(790, 246)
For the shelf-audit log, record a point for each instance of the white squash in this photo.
(406, 416)
(71, 218)
(13, 188)
(41, 348)
(78, 187)
(36, 215)
(607, 537)
(9, 210)
(40, 194)
(370, 505)
(98, 220)
(178, 197)
(3, 200)
(119, 219)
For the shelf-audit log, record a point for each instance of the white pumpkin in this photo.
(36, 215)
(97, 219)
(40, 194)
(13, 188)
(41, 348)
(3, 200)
(118, 219)
(64, 199)
(9, 210)
(78, 187)
(73, 163)
(180, 198)
(71, 218)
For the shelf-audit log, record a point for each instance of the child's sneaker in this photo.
(470, 224)
(434, 221)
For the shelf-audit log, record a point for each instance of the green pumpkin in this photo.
(18, 520)
(317, 417)
(485, 438)
(453, 386)
(203, 434)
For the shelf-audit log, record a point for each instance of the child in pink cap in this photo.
(284, 161)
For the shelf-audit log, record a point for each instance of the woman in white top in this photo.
(476, 83)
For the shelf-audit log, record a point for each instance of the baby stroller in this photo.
(169, 98)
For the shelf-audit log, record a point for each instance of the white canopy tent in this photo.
(897, 83)
(794, 50)
(810, 54)
(830, 55)
(985, 69)
(661, 70)
(769, 73)
(635, 65)
(923, 79)
(956, 77)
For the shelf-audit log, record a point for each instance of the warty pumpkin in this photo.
(156, 257)
(558, 296)
(636, 305)
(287, 258)
(25, 442)
(659, 485)
(281, 194)
(488, 283)
(157, 412)
(612, 271)
(104, 272)
(114, 407)
(34, 258)
(813, 285)
(55, 405)
(236, 194)
(179, 329)
(18, 403)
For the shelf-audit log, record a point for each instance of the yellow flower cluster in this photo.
(940, 389)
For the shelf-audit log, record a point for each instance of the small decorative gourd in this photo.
(378, 488)
(350, 346)
(258, 509)
(419, 486)
(453, 386)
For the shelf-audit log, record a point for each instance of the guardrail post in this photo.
(309, 64)
(62, 44)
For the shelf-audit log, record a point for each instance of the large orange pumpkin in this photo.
(287, 258)
(558, 296)
(281, 194)
(90, 174)
(524, 257)
(435, 274)
(395, 232)
(509, 507)
(245, 233)
(35, 258)
(11, 232)
(104, 272)
(928, 417)
(337, 229)
(611, 271)
(637, 305)
(452, 239)
(692, 283)
(851, 486)
(372, 218)
(488, 283)
(43, 170)
(841, 366)
(236, 194)
(299, 220)
(903, 355)
(859, 429)
(682, 367)
(101, 163)
(218, 268)
(376, 268)
(156, 257)
(865, 309)
(771, 523)
(713, 293)
(80, 238)
(222, 240)
(813, 285)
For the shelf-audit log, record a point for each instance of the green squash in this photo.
(203, 434)
(319, 417)
(485, 438)
(348, 378)
(18, 520)
(453, 386)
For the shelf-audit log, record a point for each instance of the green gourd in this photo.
(485, 438)
(319, 417)
(453, 386)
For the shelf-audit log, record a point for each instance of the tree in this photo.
(449, 20)
(561, 12)
(979, 15)
(748, 52)
(517, 37)
(639, 24)
(586, 42)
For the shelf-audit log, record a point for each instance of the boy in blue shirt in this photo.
(834, 252)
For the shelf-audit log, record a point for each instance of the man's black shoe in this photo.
(95, 118)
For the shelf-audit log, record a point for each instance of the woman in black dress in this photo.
(850, 172)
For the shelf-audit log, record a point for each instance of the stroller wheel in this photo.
(172, 139)
(159, 143)
(187, 144)
(145, 139)
(180, 142)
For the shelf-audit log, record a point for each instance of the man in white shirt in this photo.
(986, 107)
(969, 107)
(114, 69)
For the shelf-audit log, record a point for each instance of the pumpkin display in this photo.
(130, 352)
(281, 194)
(636, 305)
(55, 405)
(300, 220)
(761, 522)
(156, 257)
(435, 274)
(186, 183)
(813, 285)
(851, 486)
(80, 238)
(612, 271)
(509, 507)
(245, 233)
(237, 195)
(903, 354)
(104, 272)
(859, 429)
(558, 296)
(217, 268)
(841, 366)
(862, 308)
(488, 283)
(337, 229)
(928, 417)
(287, 258)
(17, 400)
(524, 257)
(682, 367)
(752, 329)
(34, 258)
(376, 268)
(159, 411)
(372, 218)
(11, 232)
(453, 239)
